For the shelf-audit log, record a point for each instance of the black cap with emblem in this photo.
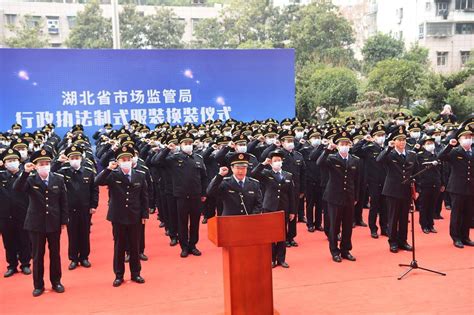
(41, 155)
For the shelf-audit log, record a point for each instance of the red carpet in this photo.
(313, 284)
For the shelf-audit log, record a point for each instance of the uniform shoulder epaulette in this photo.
(2, 171)
(227, 178)
(90, 169)
(140, 171)
(140, 159)
(144, 166)
(199, 155)
(253, 180)
(420, 152)
(252, 155)
(412, 151)
(356, 157)
(59, 174)
(32, 174)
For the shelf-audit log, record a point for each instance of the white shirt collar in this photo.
(237, 180)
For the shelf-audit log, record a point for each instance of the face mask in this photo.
(466, 143)
(75, 164)
(187, 148)
(12, 166)
(380, 140)
(430, 147)
(315, 142)
(143, 134)
(30, 146)
(270, 141)
(430, 127)
(228, 133)
(299, 134)
(107, 131)
(286, 127)
(135, 160)
(126, 166)
(288, 146)
(400, 122)
(206, 145)
(241, 149)
(43, 171)
(16, 131)
(276, 166)
(201, 133)
(437, 139)
(343, 149)
(23, 154)
(415, 134)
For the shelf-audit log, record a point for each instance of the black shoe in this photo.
(448, 207)
(9, 273)
(311, 229)
(85, 263)
(337, 258)
(302, 220)
(458, 244)
(288, 244)
(117, 282)
(384, 233)
(274, 264)
(138, 279)
(433, 230)
(426, 231)
(58, 288)
(293, 243)
(204, 221)
(406, 247)
(184, 253)
(174, 242)
(319, 228)
(374, 235)
(284, 264)
(394, 249)
(167, 232)
(468, 242)
(162, 225)
(127, 258)
(195, 252)
(26, 270)
(38, 292)
(348, 256)
(143, 257)
(361, 223)
(72, 265)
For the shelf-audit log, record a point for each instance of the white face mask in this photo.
(12, 166)
(286, 127)
(135, 160)
(227, 133)
(288, 146)
(241, 149)
(343, 149)
(437, 139)
(400, 122)
(43, 171)
(187, 148)
(430, 147)
(75, 164)
(415, 134)
(17, 131)
(315, 142)
(30, 146)
(270, 141)
(107, 131)
(299, 134)
(23, 154)
(276, 166)
(126, 166)
(380, 140)
(466, 143)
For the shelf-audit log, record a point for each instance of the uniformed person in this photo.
(237, 145)
(279, 195)
(189, 189)
(400, 164)
(340, 194)
(240, 194)
(461, 184)
(47, 214)
(128, 209)
(12, 216)
(83, 199)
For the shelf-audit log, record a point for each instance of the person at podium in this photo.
(278, 195)
(240, 195)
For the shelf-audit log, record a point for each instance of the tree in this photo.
(91, 30)
(320, 34)
(164, 30)
(396, 78)
(27, 35)
(417, 54)
(330, 87)
(132, 28)
(381, 47)
(209, 33)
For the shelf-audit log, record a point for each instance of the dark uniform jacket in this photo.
(128, 201)
(48, 207)
(461, 178)
(229, 191)
(14, 204)
(431, 178)
(374, 171)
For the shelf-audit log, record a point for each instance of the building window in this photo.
(465, 28)
(10, 19)
(465, 55)
(428, 6)
(421, 31)
(442, 58)
(33, 21)
(442, 9)
(439, 29)
(71, 21)
(464, 5)
(56, 45)
(52, 22)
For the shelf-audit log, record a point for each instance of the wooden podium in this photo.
(246, 243)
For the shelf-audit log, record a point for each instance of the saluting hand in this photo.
(267, 161)
(391, 143)
(112, 165)
(29, 167)
(368, 138)
(92, 210)
(278, 143)
(292, 216)
(223, 171)
(171, 146)
(332, 146)
(62, 158)
(453, 142)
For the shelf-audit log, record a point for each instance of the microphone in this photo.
(434, 163)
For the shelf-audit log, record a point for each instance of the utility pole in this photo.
(115, 25)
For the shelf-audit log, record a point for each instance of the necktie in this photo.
(45, 182)
(278, 176)
(129, 178)
(469, 153)
(241, 184)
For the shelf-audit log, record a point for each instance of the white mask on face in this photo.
(75, 164)
(270, 141)
(299, 134)
(227, 133)
(288, 146)
(380, 140)
(400, 122)
(437, 139)
(16, 131)
(430, 147)
(126, 166)
(315, 142)
(135, 160)
(43, 171)
(286, 127)
(276, 166)
(466, 143)
(187, 148)
(12, 166)
(415, 134)
(241, 149)
(107, 131)
(23, 154)
(343, 149)
(30, 146)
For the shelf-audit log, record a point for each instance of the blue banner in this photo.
(93, 87)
